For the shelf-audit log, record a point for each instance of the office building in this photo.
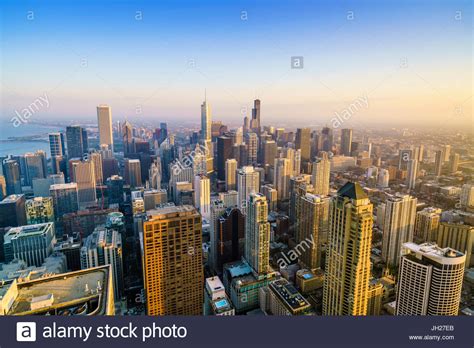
(230, 174)
(255, 121)
(224, 153)
(347, 275)
(172, 261)
(230, 238)
(399, 226)
(13, 211)
(153, 197)
(104, 123)
(76, 139)
(96, 158)
(115, 189)
(104, 247)
(65, 198)
(39, 210)
(429, 280)
(30, 243)
(56, 144)
(438, 167)
(132, 172)
(84, 176)
(346, 141)
(303, 143)
(11, 170)
(251, 141)
(269, 152)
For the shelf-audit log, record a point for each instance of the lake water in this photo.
(21, 147)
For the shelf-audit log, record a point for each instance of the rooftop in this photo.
(11, 199)
(75, 293)
(288, 294)
(433, 252)
(352, 190)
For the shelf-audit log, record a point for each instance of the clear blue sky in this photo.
(413, 59)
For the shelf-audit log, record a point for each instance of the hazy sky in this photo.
(412, 60)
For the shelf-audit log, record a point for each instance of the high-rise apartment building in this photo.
(459, 237)
(467, 196)
(248, 182)
(438, 163)
(347, 275)
(257, 234)
(312, 224)
(412, 174)
(399, 225)
(321, 175)
(426, 224)
(429, 280)
(104, 122)
(251, 140)
(172, 261)
(281, 177)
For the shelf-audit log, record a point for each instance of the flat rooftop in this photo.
(435, 253)
(181, 210)
(28, 230)
(11, 199)
(288, 294)
(76, 293)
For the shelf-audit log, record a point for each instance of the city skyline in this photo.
(167, 55)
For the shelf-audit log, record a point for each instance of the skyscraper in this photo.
(438, 163)
(11, 169)
(230, 237)
(230, 174)
(321, 175)
(327, 139)
(303, 143)
(347, 275)
(255, 121)
(104, 122)
(132, 172)
(269, 152)
(104, 247)
(257, 234)
(65, 198)
(412, 174)
(84, 176)
(312, 224)
(346, 141)
(202, 195)
(453, 163)
(281, 177)
(251, 140)
(429, 280)
(172, 261)
(206, 121)
(56, 144)
(248, 182)
(127, 138)
(224, 152)
(399, 225)
(96, 158)
(467, 196)
(12, 211)
(76, 138)
(35, 166)
(426, 224)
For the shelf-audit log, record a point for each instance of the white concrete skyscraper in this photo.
(398, 227)
(429, 280)
(104, 122)
(202, 195)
